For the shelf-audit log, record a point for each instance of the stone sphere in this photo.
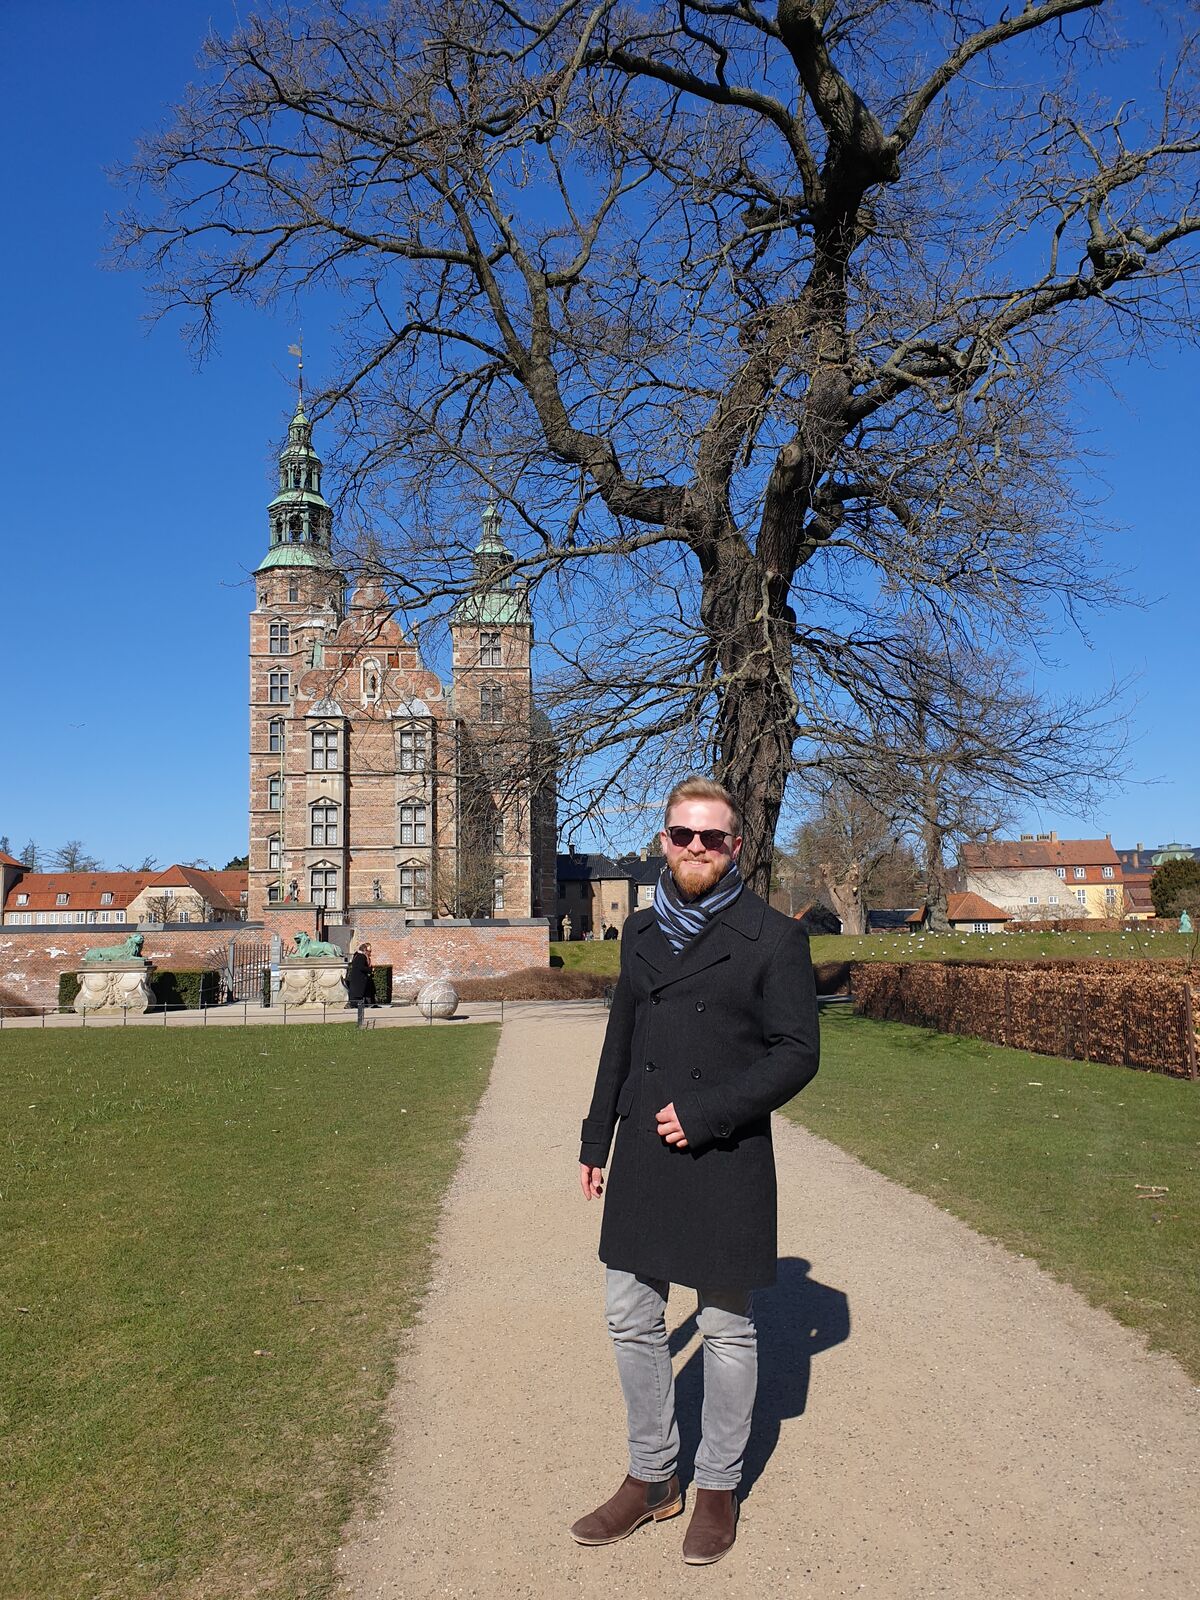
(405, 990)
(438, 999)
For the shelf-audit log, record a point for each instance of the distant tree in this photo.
(201, 864)
(236, 864)
(850, 853)
(4, 844)
(1175, 887)
(31, 855)
(146, 864)
(72, 857)
(160, 907)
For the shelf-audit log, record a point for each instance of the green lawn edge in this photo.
(211, 1248)
(1042, 1155)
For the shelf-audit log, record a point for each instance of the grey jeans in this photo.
(636, 1311)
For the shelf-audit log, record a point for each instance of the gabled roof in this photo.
(587, 868)
(9, 861)
(888, 919)
(84, 889)
(974, 908)
(1012, 853)
(221, 890)
(644, 872)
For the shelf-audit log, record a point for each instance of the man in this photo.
(713, 1025)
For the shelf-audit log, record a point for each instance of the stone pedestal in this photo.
(312, 983)
(107, 988)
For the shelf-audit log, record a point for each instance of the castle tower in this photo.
(502, 804)
(299, 603)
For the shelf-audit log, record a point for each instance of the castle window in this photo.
(1081, 872)
(498, 833)
(1106, 872)
(293, 590)
(275, 736)
(294, 530)
(498, 892)
(491, 703)
(414, 886)
(1062, 871)
(280, 639)
(106, 898)
(273, 893)
(275, 792)
(323, 886)
(22, 899)
(413, 750)
(370, 681)
(62, 899)
(324, 825)
(273, 852)
(489, 649)
(324, 749)
(279, 687)
(413, 823)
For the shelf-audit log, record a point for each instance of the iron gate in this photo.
(247, 963)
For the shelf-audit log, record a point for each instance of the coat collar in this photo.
(716, 942)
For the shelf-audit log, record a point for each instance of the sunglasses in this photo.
(710, 838)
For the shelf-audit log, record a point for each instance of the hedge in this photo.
(1141, 1014)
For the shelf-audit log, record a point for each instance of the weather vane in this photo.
(297, 350)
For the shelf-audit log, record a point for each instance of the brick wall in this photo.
(451, 949)
(31, 959)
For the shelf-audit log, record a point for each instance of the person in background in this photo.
(360, 980)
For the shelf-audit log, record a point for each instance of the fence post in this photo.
(1189, 1030)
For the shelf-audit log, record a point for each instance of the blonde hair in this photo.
(700, 788)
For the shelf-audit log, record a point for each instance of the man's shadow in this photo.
(796, 1319)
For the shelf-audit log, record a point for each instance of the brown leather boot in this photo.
(712, 1530)
(635, 1502)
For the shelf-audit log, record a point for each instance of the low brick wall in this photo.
(448, 948)
(32, 958)
(1132, 1013)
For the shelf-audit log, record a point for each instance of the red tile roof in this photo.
(1040, 853)
(9, 861)
(84, 888)
(974, 908)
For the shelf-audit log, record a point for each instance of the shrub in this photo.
(537, 983)
(68, 987)
(190, 988)
(383, 983)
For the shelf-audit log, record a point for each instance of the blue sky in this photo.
(136, 490)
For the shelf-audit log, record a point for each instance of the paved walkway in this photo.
(244, 1015)
(937, 1418)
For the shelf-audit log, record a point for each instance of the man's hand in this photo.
(591, 1181)
(669, 1129)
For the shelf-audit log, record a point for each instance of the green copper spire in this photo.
(496, 602)
(301, 521)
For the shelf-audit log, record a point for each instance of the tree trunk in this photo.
(751, 625)
(845, 896)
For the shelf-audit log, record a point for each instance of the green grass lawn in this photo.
(1127, 946)
(605, 956)
(209, 1246)
(1041, 1154)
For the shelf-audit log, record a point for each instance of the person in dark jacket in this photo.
(360, 980)
(713, 1026)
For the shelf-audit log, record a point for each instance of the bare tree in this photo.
(31, 855)
(72, 857)
(854, 855)
(146, 864)
(764, 323)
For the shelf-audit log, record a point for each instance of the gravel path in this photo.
(936, 1416)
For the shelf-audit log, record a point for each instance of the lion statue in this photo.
(128, 950)
(309, 949)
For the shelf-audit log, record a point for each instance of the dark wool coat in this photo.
(360, 982)
(728, 1032)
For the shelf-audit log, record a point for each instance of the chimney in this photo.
(1140, 847)
(643, 853)
(1053, 838)
(572, 848)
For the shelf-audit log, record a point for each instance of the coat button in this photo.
(649, 1066)
(695, 1072)
(654, 999)
(723, 1129)
(699, 1005)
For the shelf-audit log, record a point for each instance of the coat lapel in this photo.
(716, 942)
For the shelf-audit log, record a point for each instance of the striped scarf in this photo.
(681, 920)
